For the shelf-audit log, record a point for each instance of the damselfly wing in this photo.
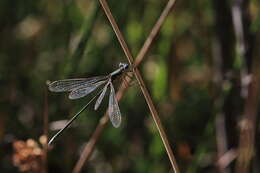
(113, 108)
(70, 84)
(81, 87)
(101, 96)
(84, 90)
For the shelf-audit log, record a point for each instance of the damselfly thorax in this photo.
(81, 87)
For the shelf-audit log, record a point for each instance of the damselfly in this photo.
(81, 87)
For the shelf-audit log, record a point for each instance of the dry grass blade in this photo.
(247, 130)
(45, 131)
(95, 136)
(147, 44)
(249, 86)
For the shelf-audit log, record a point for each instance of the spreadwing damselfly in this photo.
(81, 87)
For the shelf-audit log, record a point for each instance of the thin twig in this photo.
(147, 44)
(249, 87)
(88, 149)
(241, 42)
(247, 130)
(225, 160)
(45, 131)
(219, 100)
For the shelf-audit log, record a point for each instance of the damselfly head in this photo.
(124, 66)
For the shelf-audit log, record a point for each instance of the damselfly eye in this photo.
(123, 65)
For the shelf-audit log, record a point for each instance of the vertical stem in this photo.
(45, 131)
(247, 130)
(219, 100)
(222, 64)
(241, 22)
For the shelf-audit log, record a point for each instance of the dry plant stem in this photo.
(88, 149)
(247, 130)
(241, 42)
(142, 85)
(248, 89)
(227, 158)
(147, 44)
(45, 131)
(221, 142)
(221, 136)
(90, 145)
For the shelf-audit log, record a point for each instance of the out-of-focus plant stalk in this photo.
(249, 86)
(45, 132)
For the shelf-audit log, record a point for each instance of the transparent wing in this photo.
(113, 108)
(85, 90)
(100, 98)
(71, 84)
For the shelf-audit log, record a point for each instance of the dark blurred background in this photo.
(202, 73)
